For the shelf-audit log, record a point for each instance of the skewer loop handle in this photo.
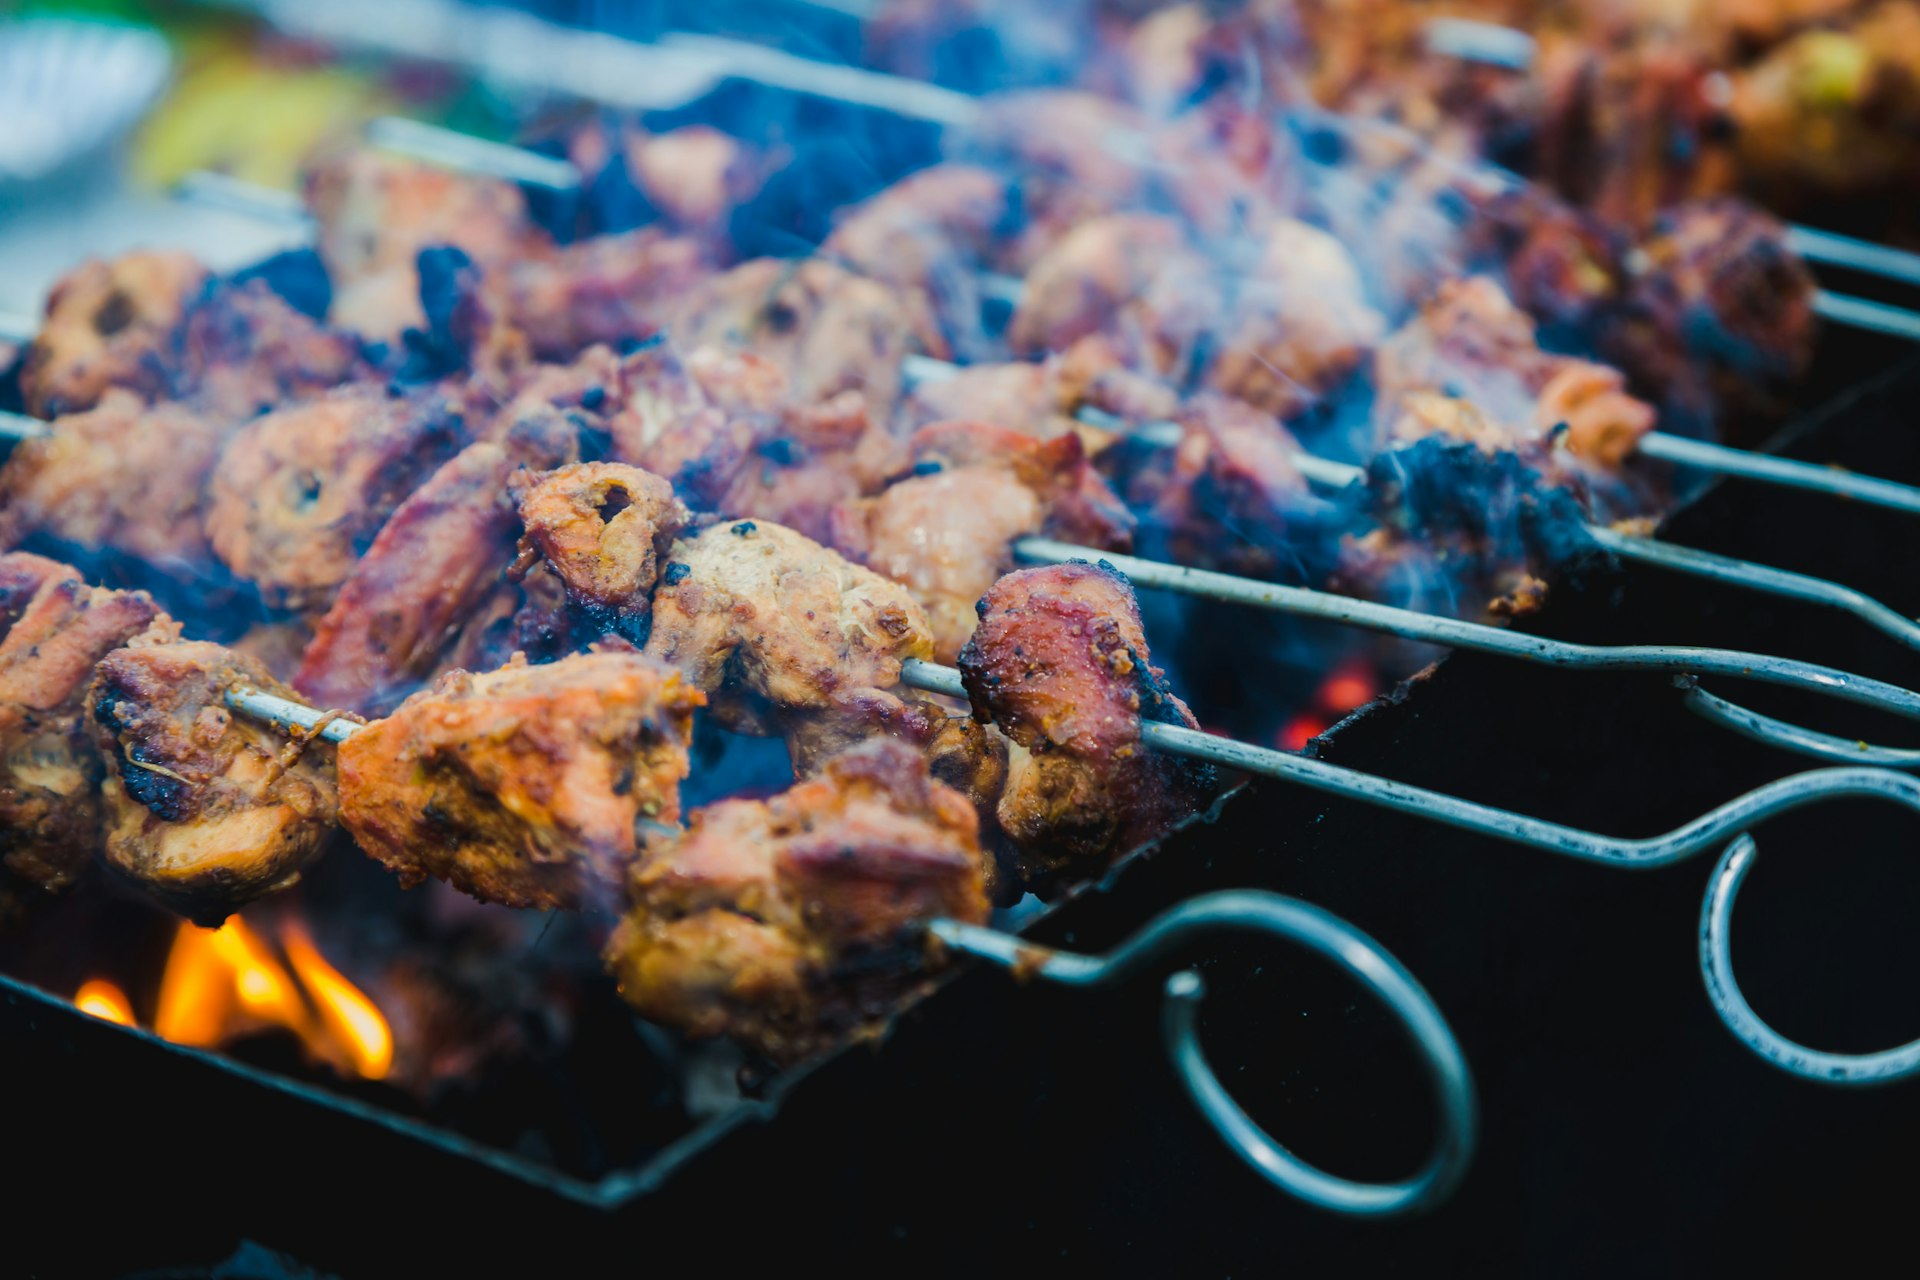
(1320, 931)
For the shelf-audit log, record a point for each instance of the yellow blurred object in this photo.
(255, 118)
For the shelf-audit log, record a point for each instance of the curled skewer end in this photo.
(1793, 737)
(1184, 991)
(1852, 1070)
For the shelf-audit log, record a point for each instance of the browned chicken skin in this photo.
(523, 786)
(245, 351)
(947, 531)
(612, 289)
(437, 557)
(300, 493)
(603, 529)
(206, 809)
(1060, 664)
(795, 922)
(111, 324)
(123, 475)
(57, 627)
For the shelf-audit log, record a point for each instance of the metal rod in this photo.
(1806, 742)
(1784, 472)
(1459, 634)
(248, 199)
(1320, 931)
(1861, 313)
(450, 149)
(1884, 1066)
(15, 427)
(287, 713)
(1865, 256)
(1474, 41)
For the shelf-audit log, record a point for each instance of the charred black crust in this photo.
(168, 798)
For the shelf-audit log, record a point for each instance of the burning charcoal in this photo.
(947, 531)
(206, 811)
(114, 324)
(300, 492)
(603, 528)
(1060, 663)
(794, 923)
(57, 627)
(523, 786)
(432, 564)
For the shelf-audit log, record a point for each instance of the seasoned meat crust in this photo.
(794, 922)
(301, 492)
(523, 786)
(57, 628)
(603, 528)
(1060, 664)
(433, 563)
(110, 324)
(206, 810)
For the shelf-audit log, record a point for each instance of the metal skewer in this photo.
(1238, 912)
(1704, 832)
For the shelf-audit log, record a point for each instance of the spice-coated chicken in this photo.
(441, 553)
(795, 922)
(526, 786)
(57, 628)
(206, 809)
(111, 324)
(301, 492)
(1060, 663)
(946, 530)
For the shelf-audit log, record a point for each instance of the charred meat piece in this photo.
(930, 234)
(523, 786)
(794, 923)
(245, 351)
(1042, 398)
(1131, 277)
(1299, 325)
(947, 530)
(437, 558)
(603, 528)
(1470, 342)
(57, 628)
(827, 329)
(301, 492)
(123, 476)
(376, 212)
(774, 626)
(612, 289)
(1060, 664)
(111, 324)
(206, 810)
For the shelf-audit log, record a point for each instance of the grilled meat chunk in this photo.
(1471, 342)
(1060, 664)
(123, 475)
(523, 786)
(774, 626)
(57, 628)
(947, 531)
(612, 289)
(300, 493)
(440, 554)
(602, 528)
(206, 810)
(111, 324)
(245, 351)
(376, 212)
(795, 922)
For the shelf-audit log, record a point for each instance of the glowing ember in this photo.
(1296, 733)
(1347, 688)
(102, 999)
(227, 982)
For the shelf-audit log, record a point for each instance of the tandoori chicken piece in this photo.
(440, 554)
(604, 289)
(111, 324)
(1472, 343)
(245, 351)
(1060, 663)
(946, 531)
(794, 923)
(526, 786)
(301, 492)
(57, 628)
(125, 475)
(206, 809)
(602, 528)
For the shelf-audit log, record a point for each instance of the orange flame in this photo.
(225, 982)
(103, 1000)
